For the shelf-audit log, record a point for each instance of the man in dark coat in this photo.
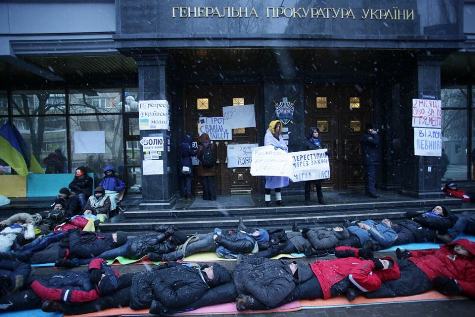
(186, 166)
(69, 203)
(81, 185)
(179, 287)
(371, 160)
(313, 142)
(437, 218)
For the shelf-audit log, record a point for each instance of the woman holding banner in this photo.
(313, 142)
(274, 137)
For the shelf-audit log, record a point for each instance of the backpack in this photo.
(208, 159)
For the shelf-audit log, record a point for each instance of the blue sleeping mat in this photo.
(32, 313)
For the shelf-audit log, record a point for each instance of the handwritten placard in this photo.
(271, 161)
(310, 165)
(427, 142)
(240, 155)
(215, 127)
(236, 117)
(426, 113)
(154, 115)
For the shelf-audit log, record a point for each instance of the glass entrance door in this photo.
(133, 172)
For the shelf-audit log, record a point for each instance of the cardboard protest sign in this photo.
(271, 161)
(310, 165)
(153, 115)
(240, 155)
(427, 142)
(426, 113)
(236, 117)
(215, 128)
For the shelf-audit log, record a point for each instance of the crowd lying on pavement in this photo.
(257, 282)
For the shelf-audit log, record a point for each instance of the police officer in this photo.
(370, 149)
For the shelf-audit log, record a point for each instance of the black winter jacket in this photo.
(298, 240)
(441, 224)
(71, 206)
(86, 245)
(175, 286)
(82, 184)
(14, 274)
(236, 242)
(149, 243)
(369, 147)
(325, 238)
(409, 231)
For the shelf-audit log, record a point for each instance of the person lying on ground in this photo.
(177, 287)
(281, 242)
(67, 201)
(230, 243)
(369, 233)
(465, 223)
(265, 284)
(450, 270)
(13, 274)
(438, 218)
(66, 286)
(194, 244)
(324, 240)
(17, 230)
(409, 231)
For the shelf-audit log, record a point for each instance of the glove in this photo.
(402, 254)
(95, 275)
(446, 286)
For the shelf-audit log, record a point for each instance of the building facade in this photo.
(76, 66)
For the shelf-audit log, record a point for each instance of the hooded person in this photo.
(98, 204)
(207, 169)
(186, 165)
(450, 270)
(81, 185)
(175, 287)
(114, 187)
(274, 138)
(313, 142)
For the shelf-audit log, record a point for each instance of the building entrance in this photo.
(208, 101)
(341, 113)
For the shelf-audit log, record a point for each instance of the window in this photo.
(34, 103)
(321, 102)
(355, 126)
(322, 126)
(95, 101)
(454, 134)
(354, 103)
(131, 100)
(239, 102)
(202, 103)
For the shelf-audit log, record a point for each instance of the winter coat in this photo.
(75, 223)
(174, 286)
(71, 205)
(268, 281)
(311, 143)
(9, 235)
(409, 231)
(444, 262)
(325, 238)
(99, 206)
(205, 142)
(69, 286)
(141, 245)
(378, 233)
(237, 242)
(112, 182)
(15, 272)
(186, 151)
(431, 221)
(82, 184)
(299, 242)
(360, 272)
(273, 182)
(370, 148)
(86, 245)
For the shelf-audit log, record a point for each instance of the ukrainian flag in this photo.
(14, 152)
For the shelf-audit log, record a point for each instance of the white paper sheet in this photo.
(152, 167)
(236, 117)
(89, 142)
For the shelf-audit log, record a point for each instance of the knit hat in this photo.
(108, 284)
(65, 191)
(121, 238)
(99, 189)
(262, 237)
(220, 276)
(378, 264)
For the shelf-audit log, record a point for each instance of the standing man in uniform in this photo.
(370, 149)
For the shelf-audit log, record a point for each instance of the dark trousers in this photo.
(209, 188)
(412, 282)
(186, 181)
(277, 249)
(465, 224)
(197, 243)
(370, 178)
(308, 189)
(21, 300)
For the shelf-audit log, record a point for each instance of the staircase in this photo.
(205, 219)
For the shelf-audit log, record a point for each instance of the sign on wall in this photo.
(427, 142)
(426, 113)
(154, 115)
(240, 155)
(215, 127)
(271, 161)
(310, 165)
(89, 142)
(152, 147)
(236, 117)
(152, 167)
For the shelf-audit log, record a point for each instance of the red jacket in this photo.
(457, 193)
(444, 262)
(361, 273)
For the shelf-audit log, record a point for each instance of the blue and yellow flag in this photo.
(14, 152)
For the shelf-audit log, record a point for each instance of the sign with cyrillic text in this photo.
(240, 155)
(154, 115)
(426, 113)
(427, 142)
(310, 165)
(271, 161)
(215, 127)
(236, 117)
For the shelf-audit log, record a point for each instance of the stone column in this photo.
(423, 173)
(157, 191)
